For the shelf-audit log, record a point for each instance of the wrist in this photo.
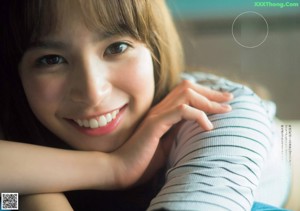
(108, 171)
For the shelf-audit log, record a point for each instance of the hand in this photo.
(187, 101)
(143, 152)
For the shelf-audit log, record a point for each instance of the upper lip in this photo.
(96, 115)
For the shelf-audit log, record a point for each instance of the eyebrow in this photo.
(48, 44)
(58, 45)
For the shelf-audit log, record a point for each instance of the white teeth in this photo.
(114, 114)
(86, 123)
(102, 121)
(93, 123)
(79, 122)
(108, 117)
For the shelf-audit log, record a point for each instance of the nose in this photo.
(88, 82)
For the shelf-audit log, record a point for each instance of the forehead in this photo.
(109, 17)
(67, 15)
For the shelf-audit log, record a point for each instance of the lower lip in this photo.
(110, 127)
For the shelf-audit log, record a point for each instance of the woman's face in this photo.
(90, 89)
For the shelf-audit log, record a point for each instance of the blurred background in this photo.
(253, 42)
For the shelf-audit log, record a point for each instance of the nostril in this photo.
(90, 93)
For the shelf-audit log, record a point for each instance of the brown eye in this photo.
(116, 48)
(50, 60)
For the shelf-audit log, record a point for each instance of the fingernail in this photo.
(210, 125)
(226, 106)
(228, 94)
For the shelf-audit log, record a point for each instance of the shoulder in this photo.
(250, 116)
(244, 97)
(245, 132)
(219, 169)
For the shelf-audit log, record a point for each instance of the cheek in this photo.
(138, 76)
(145, 76)
(43, 93)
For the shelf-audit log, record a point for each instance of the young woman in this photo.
(101, 81)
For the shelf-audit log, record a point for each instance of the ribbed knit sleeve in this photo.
(219, 169)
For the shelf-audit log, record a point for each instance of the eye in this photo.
(51, 60)
(116, 48)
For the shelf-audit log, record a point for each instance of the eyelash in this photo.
(117, 44)
(53, 59)
(49, 60)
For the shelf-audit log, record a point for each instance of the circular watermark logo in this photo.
(250, 29)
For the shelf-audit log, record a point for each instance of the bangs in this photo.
(113, 16)
(27, 21)
(127, 17)
(147, 21)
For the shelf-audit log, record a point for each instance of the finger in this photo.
(190, 113)
(199, 101)
(164, 121)
(213, 95)
(186, 112)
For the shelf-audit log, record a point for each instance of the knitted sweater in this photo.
(222, 169)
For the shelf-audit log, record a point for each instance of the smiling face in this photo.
(89, 88)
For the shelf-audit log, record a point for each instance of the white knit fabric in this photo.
(222, 169)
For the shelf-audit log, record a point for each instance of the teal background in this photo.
(212, 9)
(205, 28)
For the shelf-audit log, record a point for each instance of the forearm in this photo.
(45, 202)
(29, 169)
(219, 170)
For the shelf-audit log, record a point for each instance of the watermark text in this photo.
(275, 4)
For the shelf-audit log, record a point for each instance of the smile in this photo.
(99, 121)
(100, 125)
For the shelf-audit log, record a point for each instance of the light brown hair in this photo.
(146, 20)
(26, 21)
